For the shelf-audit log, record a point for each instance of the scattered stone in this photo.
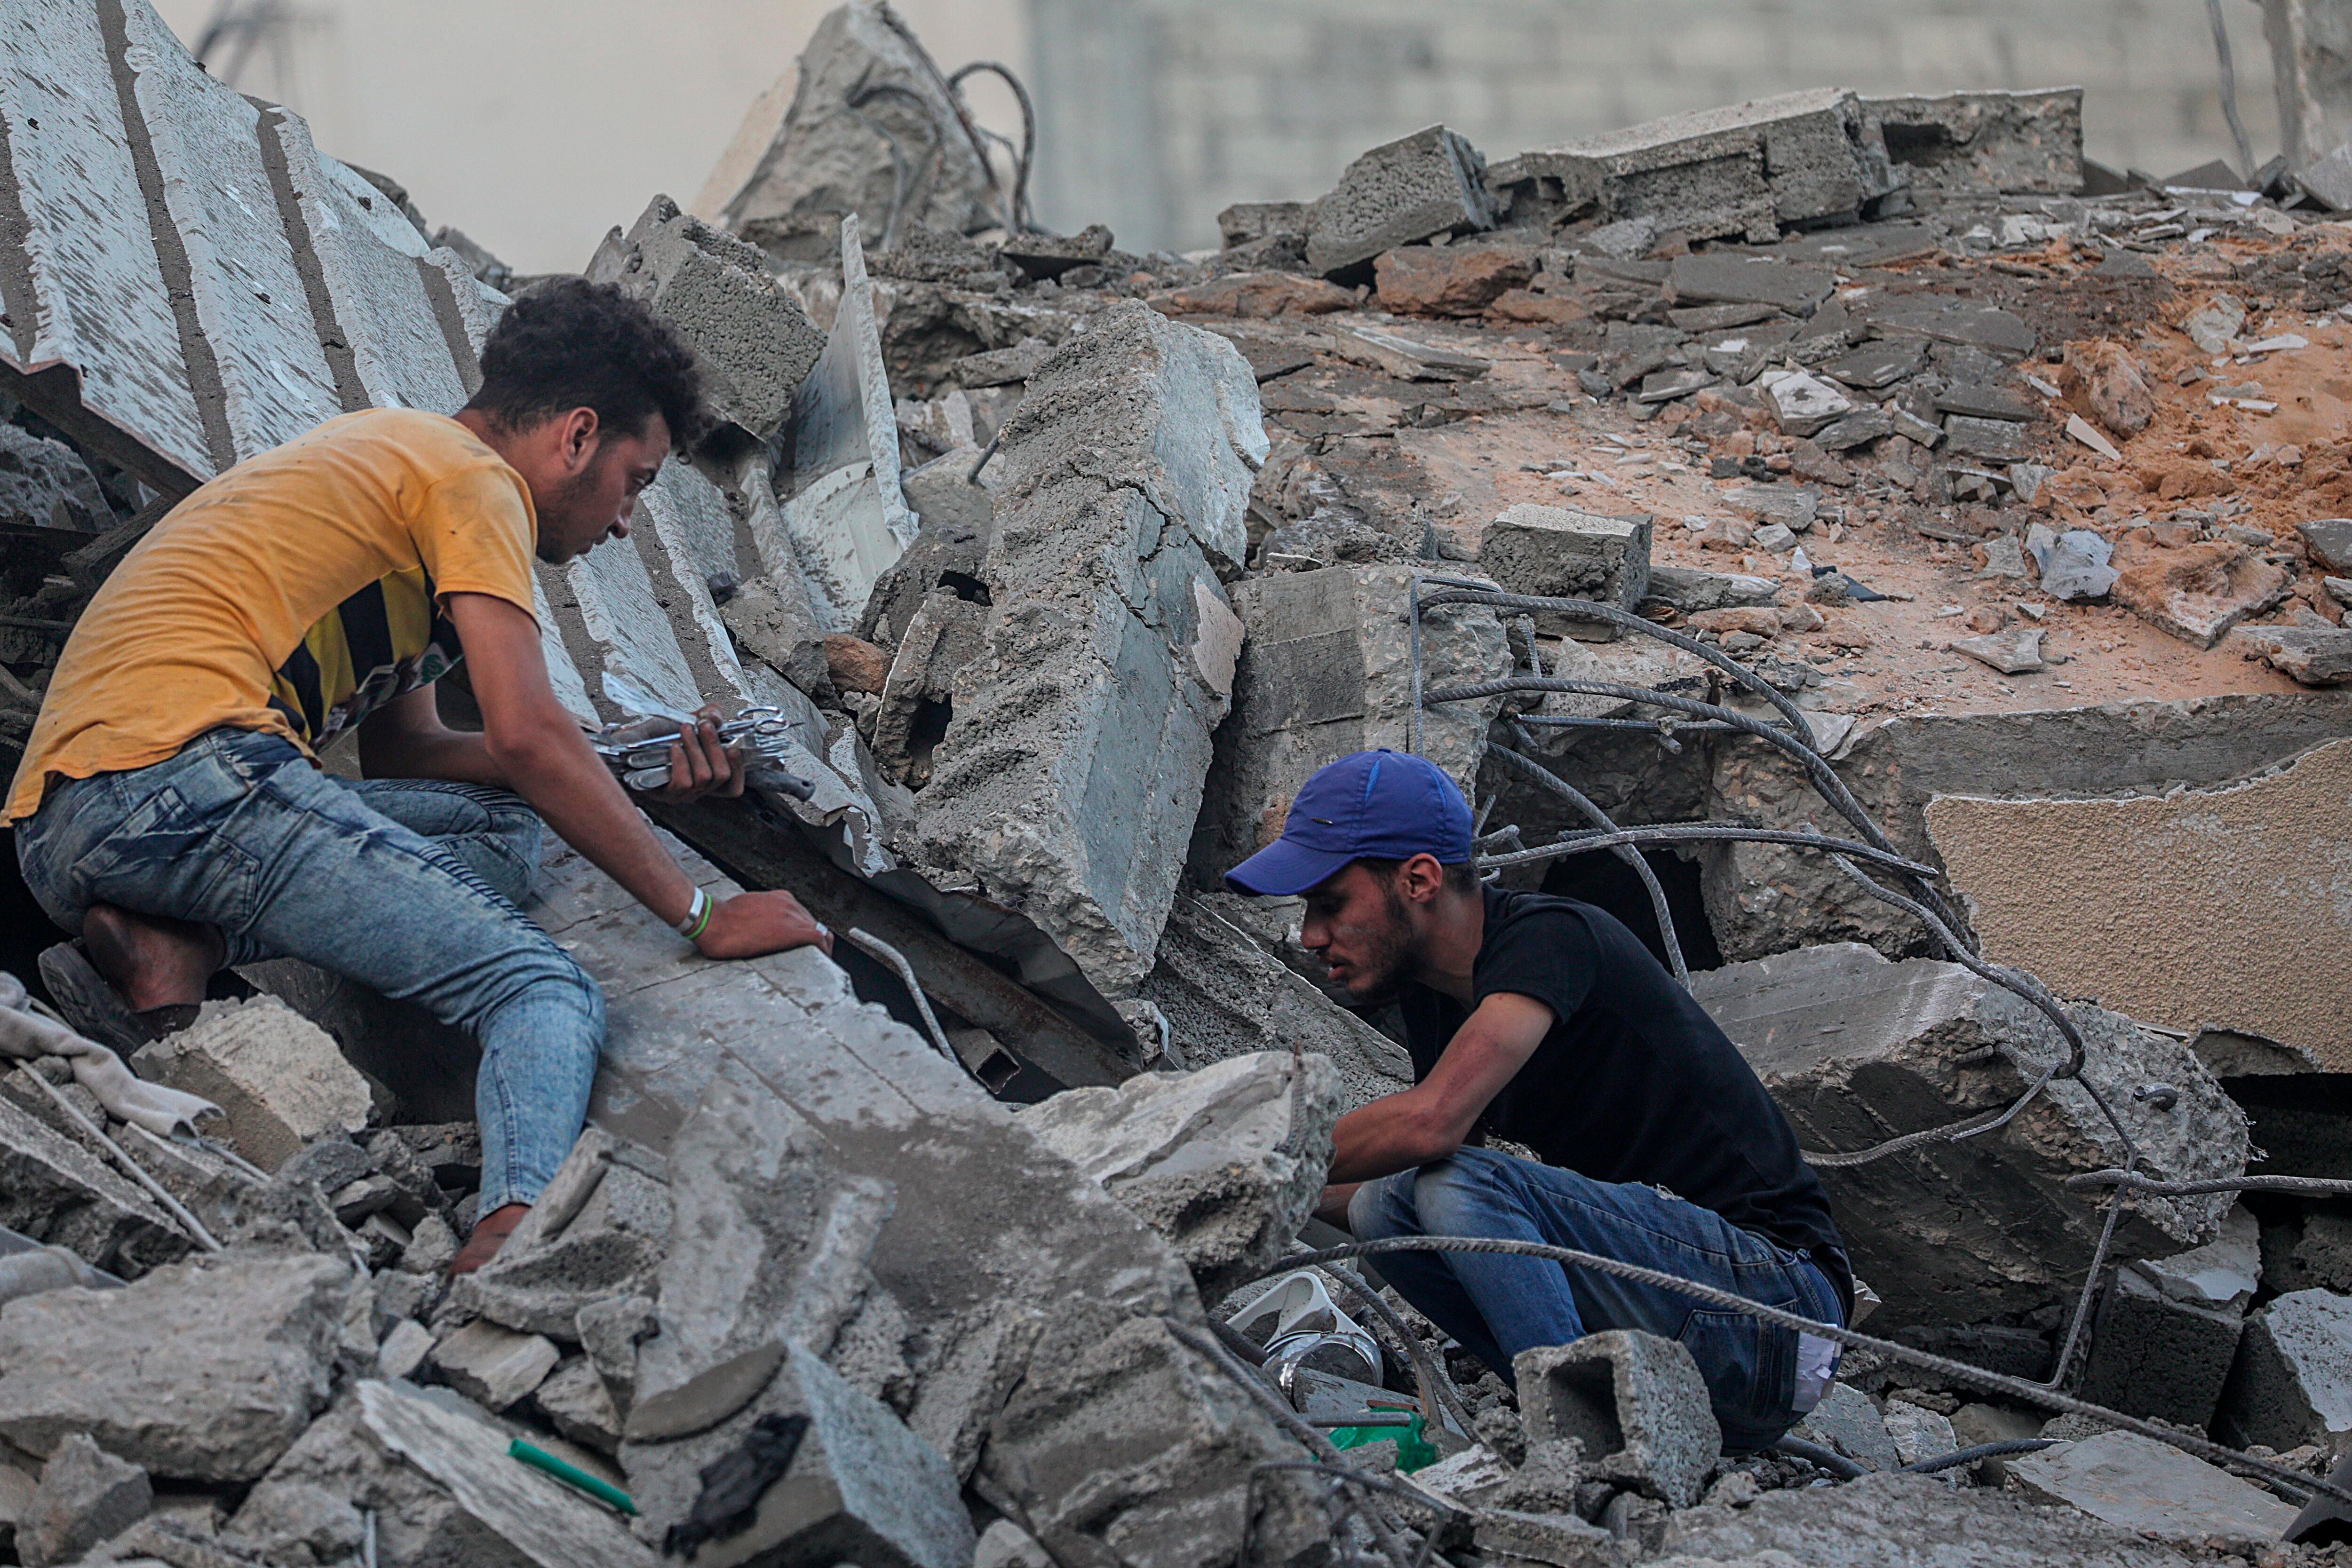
(46, 484)
(404, 1349)
(1846, 1422)
(86, 1496)
(1556, 1539)
(280, 1077)
(203, 1371)
(1689, 589)
(1978, 401)
(1449, 280)
(2004, 557)
(2292, 1382)
(2083, 431)
(2223, 1275)
(2311, 655)
(1878, 364)
(1856, 429)
(1635, 1403)
(54, 1190)
(1997, 440)
(1855, 1049)
(855, 665)
(1775, 537)
(1225, 1162)
(1943, 318)
(1918, 1435)
(2198, 591)
(752, 340)
(575, 1400)
(494, 1366)
(2017, 652)
(597, 1232)
(2112, 383)
(1050, 255)
(2153, 1357)
(2073, 564)
(1404, 359)
(1255, 296)
(2214, 326)
(1727, 278)
(432, 1247)
(1793, 507)
(1398, 194)
(2027, 479)
(2329, 541)
(1067, 783)
(2139, 1484)
(1801, 405)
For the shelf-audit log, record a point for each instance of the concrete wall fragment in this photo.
(1068, 781)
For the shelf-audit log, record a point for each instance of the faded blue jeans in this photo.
(408, 886)
(1497, 1305)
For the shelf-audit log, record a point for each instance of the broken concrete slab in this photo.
(203, 1371)
(1068, 779)
(2139, 1484)
(86, 1496)
(1114, 1435)
(2311, 655)
(1746, 169)
(2292, 1382)
(2329, 541)
(1691, 590)
(281, 1079)
(863, 84)
(1225, 1161)
(1403, 357)
(537, 1517)
(1995, 440)
(597, 1232)
(1846, 1422)
(1636, 1404)
(752, 340)
(859, 1487)
(1556, 552)
(2073, 565)
(575, 1401)
(1326, 669)
(1801, 405)
(2196, 592)
(1984, 141)
(56, 1191)
(1856, 1049)
(945, 633)
(1399, 192)
(1728, 278)
(1944, 319)
(2223, 1275)
(1224, 995)
(1450, 281)
(2152, 1356)
(492, 1365)
(2206, 879)
(2017, 652)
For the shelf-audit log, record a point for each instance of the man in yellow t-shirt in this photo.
(169, 809)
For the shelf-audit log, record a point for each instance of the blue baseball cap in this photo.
(1377, 805)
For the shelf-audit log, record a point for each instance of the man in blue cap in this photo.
(1547, 1022)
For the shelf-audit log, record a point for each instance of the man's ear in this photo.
(1421, 878)
(577, 434)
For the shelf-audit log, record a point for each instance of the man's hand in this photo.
(699, 765)
(752, 923)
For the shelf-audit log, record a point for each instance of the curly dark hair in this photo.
(569, 343)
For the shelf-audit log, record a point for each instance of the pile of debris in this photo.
(1064, 568)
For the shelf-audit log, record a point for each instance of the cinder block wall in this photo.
(1156, 113)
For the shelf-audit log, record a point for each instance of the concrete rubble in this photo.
(1067, 565)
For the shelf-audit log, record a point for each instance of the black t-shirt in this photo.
(1634, 1083)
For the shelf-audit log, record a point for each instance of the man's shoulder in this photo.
(1515, 911)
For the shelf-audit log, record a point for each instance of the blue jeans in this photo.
(408, 886)
(1497, 1305)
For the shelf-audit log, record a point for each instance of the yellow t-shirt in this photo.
(294, 594)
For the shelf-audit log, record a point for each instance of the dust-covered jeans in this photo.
(408, 886)
(1497, 1305)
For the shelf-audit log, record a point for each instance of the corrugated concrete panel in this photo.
(81, 284)
(375, 293)
(629, 636)
(249, 298)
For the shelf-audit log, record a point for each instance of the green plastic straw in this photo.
(540, 1460)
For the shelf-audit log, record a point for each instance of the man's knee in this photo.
(1381, 1209)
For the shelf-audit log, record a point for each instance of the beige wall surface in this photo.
(535, 125)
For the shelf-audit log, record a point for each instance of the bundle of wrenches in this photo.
(638, 750)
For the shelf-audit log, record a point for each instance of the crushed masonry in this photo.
(1826, 465)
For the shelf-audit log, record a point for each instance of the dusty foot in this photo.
(152, 962)
(491, 1233)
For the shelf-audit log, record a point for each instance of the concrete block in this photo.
(1559, 1539)
(1068, 782)
(86, 1496)
(404, 1349)
(1746, 169)
(1449, 280)
(1556, 552)
(1401, 193)
(280, 1077)
(2311, 655)
(1984, 141)
(2223, 1275)
(1634, 1401)
(957, 518)
(1244, 222)
(1802, 404)
(597, 1232)
(1326, 670)
(1225, 1162)
(2292, 1382)
(1856, 1049)
(2212, 881)
(1224, 995)
(492, 1365)
(199, 1371)
(751, 337)
(1847, 1422)
(1918, 1434)
(861, 1487)
(944, 635)
(862, 71)
(1995, 440)
(576, 1402)
(2153, 1489)
(58, 1192)
(2151, 1355)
